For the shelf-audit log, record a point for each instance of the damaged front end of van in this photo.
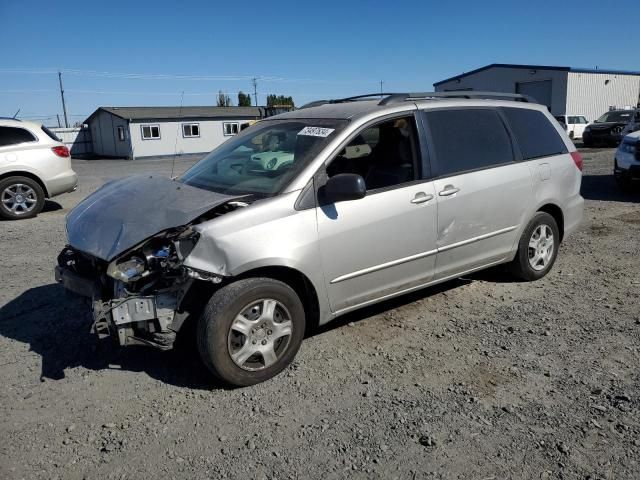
(126, 254)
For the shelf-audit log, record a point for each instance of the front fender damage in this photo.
(147, 293)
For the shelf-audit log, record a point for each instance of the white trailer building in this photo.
(135, 132)
(564, 90)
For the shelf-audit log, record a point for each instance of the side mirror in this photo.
(343, 187)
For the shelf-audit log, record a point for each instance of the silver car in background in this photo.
(367, 199)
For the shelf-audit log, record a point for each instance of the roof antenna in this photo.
(175, 147)
(17, 113)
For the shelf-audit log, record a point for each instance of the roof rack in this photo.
(402, 97)
(391, 98)
(355, 98)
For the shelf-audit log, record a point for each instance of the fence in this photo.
(78, 139)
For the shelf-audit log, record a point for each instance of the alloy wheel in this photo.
(541, 246)
(19, 199)
(260, 334)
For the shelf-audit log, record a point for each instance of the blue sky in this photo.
(309, 50)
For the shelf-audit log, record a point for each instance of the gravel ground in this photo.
(479, 378)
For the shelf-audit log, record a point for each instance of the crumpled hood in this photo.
(125, 212)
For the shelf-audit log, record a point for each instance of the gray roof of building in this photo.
(538, 67)
(166, 113)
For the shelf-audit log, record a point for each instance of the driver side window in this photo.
(384, 154)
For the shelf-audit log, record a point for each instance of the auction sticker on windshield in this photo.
(316, 131)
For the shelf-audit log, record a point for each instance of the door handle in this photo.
(421, 197)
(448, 190)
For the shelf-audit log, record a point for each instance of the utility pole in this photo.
(255, 91)
(64, 106)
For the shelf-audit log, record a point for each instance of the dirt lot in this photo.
(481, 378)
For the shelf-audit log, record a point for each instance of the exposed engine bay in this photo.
(140, 296)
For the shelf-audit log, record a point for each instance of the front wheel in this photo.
(537, 249)
(251, 330)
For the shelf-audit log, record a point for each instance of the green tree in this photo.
(224, 100)
(244, 100)
(279, 100)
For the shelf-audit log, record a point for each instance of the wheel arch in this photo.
(32, 176)
(556, 212)
(298, 281)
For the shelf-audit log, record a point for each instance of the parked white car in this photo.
(574, 124)
(34, 165)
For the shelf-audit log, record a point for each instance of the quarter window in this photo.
(468, 139)
(535, 135)
(15, 136)
(121, 135)
(150, 132)
(385, 154)
(230, 128)
(190, 130)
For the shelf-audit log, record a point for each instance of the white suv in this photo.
(34, 165)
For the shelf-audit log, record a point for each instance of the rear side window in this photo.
(466, 140)
(534, 133)
(15, 136)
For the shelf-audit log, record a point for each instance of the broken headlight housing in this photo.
(132, 269)
(163, 253)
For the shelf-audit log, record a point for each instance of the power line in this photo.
(168, 76)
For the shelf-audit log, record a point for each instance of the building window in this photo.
(230, 128)
(121, 135)
(150, 132)
(190, 130)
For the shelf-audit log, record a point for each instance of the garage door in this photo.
(540, 91)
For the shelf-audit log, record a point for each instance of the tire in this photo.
(586, 142)
(522, 265)
(22, 188)
(269, 307)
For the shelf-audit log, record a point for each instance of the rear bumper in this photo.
(62, 183)
(573, 214)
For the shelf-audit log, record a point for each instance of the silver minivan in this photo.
(317, 212)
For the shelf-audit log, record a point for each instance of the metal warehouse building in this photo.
(134, 132)
(565, 90)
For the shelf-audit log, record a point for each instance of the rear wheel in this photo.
(251, 330)
(587, 142)
(20, 197)
(537, 249)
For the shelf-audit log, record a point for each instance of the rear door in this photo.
(483, 193)
(383, 243)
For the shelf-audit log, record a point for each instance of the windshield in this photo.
(264, 158)
(616, 116)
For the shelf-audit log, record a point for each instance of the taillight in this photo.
(61, 151)
(577, 159)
